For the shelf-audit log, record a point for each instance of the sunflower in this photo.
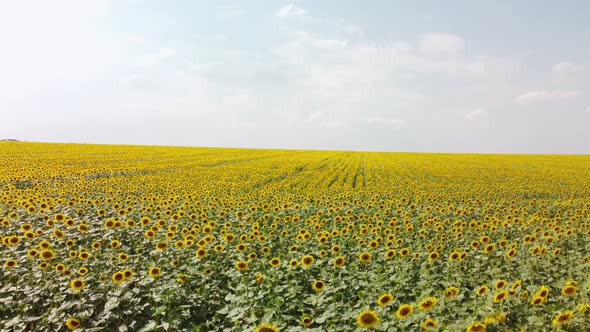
(47, 254)
(260, 277)
(516, 285)
(454, 256)
(274, 262)
(266, 328)
(389, 254)
(476, 327)
(451, 292)
(562, 318)
(59, 267)
(201, 252)
(72, 323)
(568, 290)
(318, 285)
(33, 253)
(123, 257)
(433, 256)
(155, 271)
(128, 274)
(182, 278)
(339, 261)
(427, 304)
(367, 319)
(510, 253)
(118, 277)
(404, 311)
(77, 284)
(489, 248)
(500, 296)
(307, 261)
(336, 249)
(241, 266)
(385, 299)
(537, 300)
(306, 321)
(492, 319)
(481, 290)
(15, 240)
(44, 244)
(161, 246)
(9, 264)
(500, 284)
(293, 263)
(84, 255)
(365, 257)
(83, 271)
(543, 291)
(404, 252)
(429, 323)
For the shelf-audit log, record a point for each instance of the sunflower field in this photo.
(138, 238)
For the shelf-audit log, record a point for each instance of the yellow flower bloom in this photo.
(72, 323)
(404, 311)
(367, 319)
(385, 299)
(77, 284)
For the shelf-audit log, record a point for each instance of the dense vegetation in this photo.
(98, 237)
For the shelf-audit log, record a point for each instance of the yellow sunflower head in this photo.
(241, 266)
(427, 304)
(404, 311)
(385, 299)
(77, 284)
(72, 323)
(155, 271)
(318, 285)
(367, 319)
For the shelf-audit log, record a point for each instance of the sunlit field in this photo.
(128, 238)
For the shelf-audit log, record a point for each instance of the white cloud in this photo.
(567, 67)
(479, 112)
(396, 123)
(544, 96)
(150, 60)
(441, 43)
(343, 75)
(291, 10)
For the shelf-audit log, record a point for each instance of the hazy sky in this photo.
(443, 76)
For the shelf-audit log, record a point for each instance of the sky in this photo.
(424, 76)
